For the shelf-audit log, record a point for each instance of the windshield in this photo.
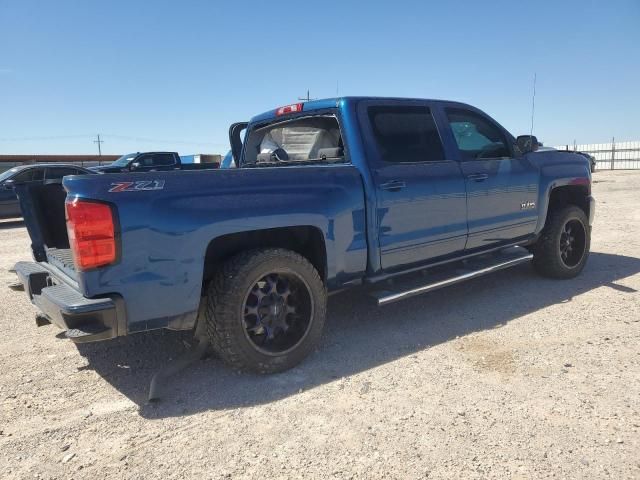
(124, 160)
(8, 174)
(228, 161)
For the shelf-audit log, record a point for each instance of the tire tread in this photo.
(225, 290)
(546, 259)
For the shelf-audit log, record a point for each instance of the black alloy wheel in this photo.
(277, 312)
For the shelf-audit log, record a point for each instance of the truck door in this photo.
(9, 203)
(502, 188)
(421, 206)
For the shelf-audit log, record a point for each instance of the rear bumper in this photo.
(83, 319)
(592, 209)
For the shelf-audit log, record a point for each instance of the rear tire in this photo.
(563, 247)
(265, 310)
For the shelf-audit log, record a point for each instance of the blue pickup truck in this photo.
(327, 195)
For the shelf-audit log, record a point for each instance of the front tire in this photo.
(265, 310)
(563, 247)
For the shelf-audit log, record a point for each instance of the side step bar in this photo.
(476, 267)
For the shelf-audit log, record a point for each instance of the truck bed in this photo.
(164, 232)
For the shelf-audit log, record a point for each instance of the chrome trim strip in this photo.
(383, 300)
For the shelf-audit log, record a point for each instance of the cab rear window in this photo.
(309, 139)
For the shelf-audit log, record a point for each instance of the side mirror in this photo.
(527, 143)
(8, 184)
(134, 166)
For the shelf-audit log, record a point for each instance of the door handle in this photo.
(393, 186)
(478, 177)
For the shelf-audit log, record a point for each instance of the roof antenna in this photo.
(533, 104)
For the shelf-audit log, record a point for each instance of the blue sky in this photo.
(174, 75)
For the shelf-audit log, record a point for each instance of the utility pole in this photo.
(99, 142)
(307, 99)
(613, 153)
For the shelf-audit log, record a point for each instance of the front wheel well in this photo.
(308, 241)
(577, 195)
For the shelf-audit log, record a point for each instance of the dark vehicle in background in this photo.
(9, 204)
(151, 162)
(325, 196)
(591, 158)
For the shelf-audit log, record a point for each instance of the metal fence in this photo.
(610, 156)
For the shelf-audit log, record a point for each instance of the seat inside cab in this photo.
(297, 140)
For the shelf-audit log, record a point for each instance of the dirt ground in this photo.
(509, 376)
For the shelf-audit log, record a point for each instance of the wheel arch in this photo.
(578, 194)
(307, 241)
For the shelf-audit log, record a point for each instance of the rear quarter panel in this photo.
(165, 232)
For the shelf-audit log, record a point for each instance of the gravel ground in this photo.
(510, 376)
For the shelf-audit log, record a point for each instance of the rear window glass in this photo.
(406, 134)
(55, 173)
(300, 140)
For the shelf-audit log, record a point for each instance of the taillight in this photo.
(295, 108)
(91, 233)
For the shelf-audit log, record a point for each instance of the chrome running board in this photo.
(476, 267)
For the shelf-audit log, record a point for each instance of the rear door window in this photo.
(300, 140)
(405, 134)
(55, 173)
(163, 159)
(476, 136)
(156, 160)
(144, 160)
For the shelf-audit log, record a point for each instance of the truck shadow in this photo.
(358, 336)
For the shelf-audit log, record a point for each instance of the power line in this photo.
(39, 138)
(102, 136)
(158, 140)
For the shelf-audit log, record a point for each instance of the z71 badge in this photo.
(527, 205)
(139, 186)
